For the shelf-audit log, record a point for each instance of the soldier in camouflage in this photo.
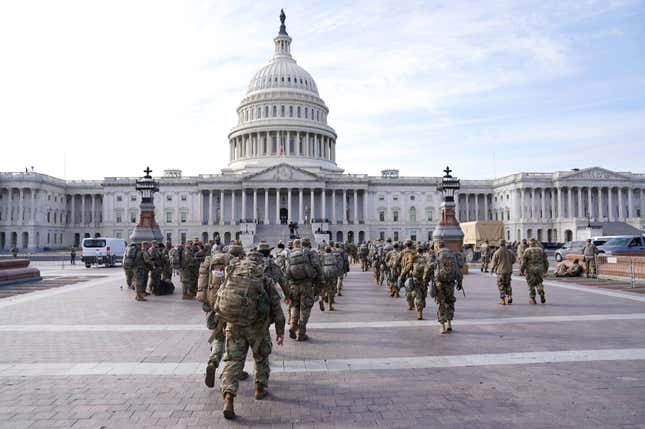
(392, 261)
(128, 264)
(536, 265)
(406, 262)
(502, 264)
(446, 270)
(188, 266)
(166, 263)
(302, 274)
(156, 266)
(485, 251)
(142, 266)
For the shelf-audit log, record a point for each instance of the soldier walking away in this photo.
(141, 271)
(155, 266)
(521, 248)
(249, 303)
(446, 273)
(344, 256)
(589, 254)
(536, 265)
(128, 264)
(301, 276)
(486, 254)
(72, 256)
(363, 253)
(166, 261)
(330, 271)
(405, 268)
(502, 264)
(188, 275)
(420, 273)
(392, 262)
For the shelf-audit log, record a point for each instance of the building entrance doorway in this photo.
(284, 216)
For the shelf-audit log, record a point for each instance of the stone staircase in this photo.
(274, 233)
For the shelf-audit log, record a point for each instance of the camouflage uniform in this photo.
(343, 271)
(141, 270)
(406, 264)
(239, 339)
(156, 266)
(503, 260)
(128, 265)
(445, 289)
(589, 254)
(535, 265)
(166, 263)
(188, 277)
(521, 248)
(392, 262)
(328, 289)
(363, 253)
(302, 295)
(486, 254)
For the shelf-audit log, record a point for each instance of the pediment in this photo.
(282, 173)
(594, 173)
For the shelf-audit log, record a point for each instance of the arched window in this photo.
(413, 215)
(298, 111)
(306, 112)
(259, 113)
(282, 110)
(266, 111)
(275, 111)
(291, 111)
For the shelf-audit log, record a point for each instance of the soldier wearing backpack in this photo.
(330, 270)
(166, 261)
(503, 260)
(363, 253)
(301, 276)
(141, 267)
(156, 266)
(128, 264)
(446, 271)
(249, 303)
(189, 272)
(344, 267)
(406, 263)
(392, 260)
(535, 265)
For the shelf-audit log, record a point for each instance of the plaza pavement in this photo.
(88, 355)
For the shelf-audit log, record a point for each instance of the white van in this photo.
(102, 251)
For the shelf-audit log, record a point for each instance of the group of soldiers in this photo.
(414, 268)
(241, 293)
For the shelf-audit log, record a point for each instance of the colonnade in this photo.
(282, 205)
(283, 143)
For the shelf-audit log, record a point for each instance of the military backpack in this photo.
(242, 299)
(130, 256)
(447, 267)
(299, 266)
(329, 266)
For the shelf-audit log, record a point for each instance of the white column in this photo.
(642, 203)
(243, 216)
(580, 214)
(312, 207)
(621, 209)
(266, 206)
(533, 204)
(476, 206)
(73, 220)
(569, 203)
(610, 205)
(300, 207)
(630, 203)
(83, 210)
(485, 206)
(589, 204)
(559, 202)
(33, 206)
(233, 221)
(289, 214)
(93, 216)
(522, 203)
(209, 219)
(277, 206)
(221, 208)
(467, 217)
(355, 218)
(600, 214)
(255, 206)
(333, 207)
(21, 207)
(345, 206)
(365, 206)
(9, 207)
(323, 197)
(542, 205)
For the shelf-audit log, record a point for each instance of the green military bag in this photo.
(242, 300)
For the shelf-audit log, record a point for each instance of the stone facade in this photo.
(283, 168)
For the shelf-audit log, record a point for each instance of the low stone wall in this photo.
(17, 271)
(617, 266)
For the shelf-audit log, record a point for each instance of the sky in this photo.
(92, 89)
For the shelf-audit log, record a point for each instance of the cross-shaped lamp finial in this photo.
(147, 171)
(447, 171)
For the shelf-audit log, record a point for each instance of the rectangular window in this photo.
(395, 216)
(183, 237)
(168, 217)
(381, 198)
(133, 218)
(396, 235)
(133, 197)
(381, 235)
(381, 216)
(169, 236)
(169, 197)
(119, 198)
(184, 197)
(184, 217)
(119, 218)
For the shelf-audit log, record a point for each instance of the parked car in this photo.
(102, 251)
(570, 247)
(599, 241)
(627, 245)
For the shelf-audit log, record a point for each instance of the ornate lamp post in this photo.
(448, 229)
(147, 229)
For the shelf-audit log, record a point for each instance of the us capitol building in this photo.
(283, 168)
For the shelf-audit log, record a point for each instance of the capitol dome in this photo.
(282, 118)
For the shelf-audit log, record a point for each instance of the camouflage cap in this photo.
(144, 242)
(264, 246)
(502, 242)
(297, 242)
(408, 243)
(532, 241)
(154, 242)
(306, 242)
